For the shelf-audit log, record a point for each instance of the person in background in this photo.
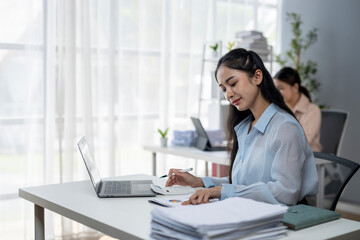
(270, 158)
(298, 99)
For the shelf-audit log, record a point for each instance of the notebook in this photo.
(203, 141)
(112, 188)
(302, 216)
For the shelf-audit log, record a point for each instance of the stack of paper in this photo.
(232, 218)
(254, 41)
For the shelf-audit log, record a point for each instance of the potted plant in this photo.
(231, 45)
(298, 46)
(214, 48)
(163, 139)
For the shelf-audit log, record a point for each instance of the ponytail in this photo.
(305, 92)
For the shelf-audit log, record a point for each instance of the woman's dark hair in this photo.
(291, 76)
(248, 62)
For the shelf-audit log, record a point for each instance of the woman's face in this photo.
(288, 92)
(240, 90)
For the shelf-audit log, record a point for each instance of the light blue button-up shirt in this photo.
(274, 162)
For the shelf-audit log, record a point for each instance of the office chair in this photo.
(346, 169)
(333, 126)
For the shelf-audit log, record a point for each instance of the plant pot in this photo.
(163, 142)
(214, 54)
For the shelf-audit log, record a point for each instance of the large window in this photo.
(112, 70)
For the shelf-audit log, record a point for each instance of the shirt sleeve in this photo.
(311, 122)
(288, 146)
(214, 181)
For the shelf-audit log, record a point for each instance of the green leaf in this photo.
(298, 45)
(163, 133)
(231, 45)
(214, 47)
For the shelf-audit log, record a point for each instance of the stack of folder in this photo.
(255, 41)
(183, 138)
(232, 218)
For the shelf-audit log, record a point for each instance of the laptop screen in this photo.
(89, 162)
(199, 128)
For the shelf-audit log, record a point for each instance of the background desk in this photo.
(189, 152)
(129, 218)
(223, 158)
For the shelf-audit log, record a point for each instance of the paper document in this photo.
(170, 201)
(174, 201)
(174, 190)
(232, 218)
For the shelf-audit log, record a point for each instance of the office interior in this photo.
(116, 71)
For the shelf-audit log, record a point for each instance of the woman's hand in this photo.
(203, 196)
(183, 178)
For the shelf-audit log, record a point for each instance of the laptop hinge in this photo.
(99, 187)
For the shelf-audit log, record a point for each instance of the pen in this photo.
(183, 170)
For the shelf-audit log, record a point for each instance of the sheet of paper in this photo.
(170, 201)
(174, 201)
(174, 190)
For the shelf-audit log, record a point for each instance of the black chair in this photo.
(333, 126)
(334, 186)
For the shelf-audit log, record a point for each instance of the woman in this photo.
(298, 99)
(271, 160)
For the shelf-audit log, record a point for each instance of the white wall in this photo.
(337, 53)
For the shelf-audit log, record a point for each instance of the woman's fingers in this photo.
(203, 196)
(171, 177)
(168, 182)
(206, 198)
(199, 197)
(186, 202)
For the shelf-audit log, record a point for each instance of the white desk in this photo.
(129, 218)
(223, 159)
(188, 152)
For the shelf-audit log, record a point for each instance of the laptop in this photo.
(112, 188)
(203, 141)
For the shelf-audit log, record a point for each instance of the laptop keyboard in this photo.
(117, 187)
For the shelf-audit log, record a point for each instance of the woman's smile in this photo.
(236, 102)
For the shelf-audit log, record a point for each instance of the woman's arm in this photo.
(210, 182)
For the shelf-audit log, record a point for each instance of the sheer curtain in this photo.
(113, 71)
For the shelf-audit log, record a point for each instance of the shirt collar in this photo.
(266, 117)
(263, 120)
(301, 104)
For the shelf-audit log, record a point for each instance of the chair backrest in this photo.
(340, 171)
(333, 126)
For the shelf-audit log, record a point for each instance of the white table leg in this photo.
(321, 193)
(154, 163)
(206, 169)
(39, 223)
